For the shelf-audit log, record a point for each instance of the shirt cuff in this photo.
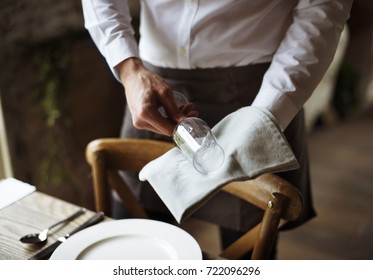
(278, 104)
(117, 51)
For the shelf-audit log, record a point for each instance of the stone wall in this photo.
(25, 22)
(57, 94)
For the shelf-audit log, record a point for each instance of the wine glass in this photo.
(180, 100)
(197, 142)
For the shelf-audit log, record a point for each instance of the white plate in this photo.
(131, 239)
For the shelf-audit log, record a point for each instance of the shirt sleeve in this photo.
(109, 24)
(302, 57)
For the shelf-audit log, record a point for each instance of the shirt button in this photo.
(182, 50)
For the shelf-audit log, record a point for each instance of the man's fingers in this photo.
(153, 121)
(169, 104)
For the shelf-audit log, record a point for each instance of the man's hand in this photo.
(145, 93)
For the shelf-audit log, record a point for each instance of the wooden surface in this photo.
(31, 214)
(342, 176)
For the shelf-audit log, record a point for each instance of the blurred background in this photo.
(57, 94)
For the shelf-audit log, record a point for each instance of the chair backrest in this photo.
(280, 201)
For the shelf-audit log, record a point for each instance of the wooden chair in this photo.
(280, 201)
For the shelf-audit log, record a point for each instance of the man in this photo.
(223, 55)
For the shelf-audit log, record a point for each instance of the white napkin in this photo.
(253, 144)
(12, 190)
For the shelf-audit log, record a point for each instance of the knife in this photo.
(46, 253)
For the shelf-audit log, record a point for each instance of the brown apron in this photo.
(216, 93)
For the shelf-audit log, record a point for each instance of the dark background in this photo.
(58, 94)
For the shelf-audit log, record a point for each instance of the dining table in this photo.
(32, 214)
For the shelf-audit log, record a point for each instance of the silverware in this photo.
(35, 238)
(46, 253)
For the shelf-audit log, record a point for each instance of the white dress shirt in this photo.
(298, 37)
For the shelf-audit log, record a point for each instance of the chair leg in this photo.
(130, 201)
(100, 186)
(241, 246)
(268, 227)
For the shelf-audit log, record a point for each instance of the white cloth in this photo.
(299, 37)
(253, 145)
(12, 190)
